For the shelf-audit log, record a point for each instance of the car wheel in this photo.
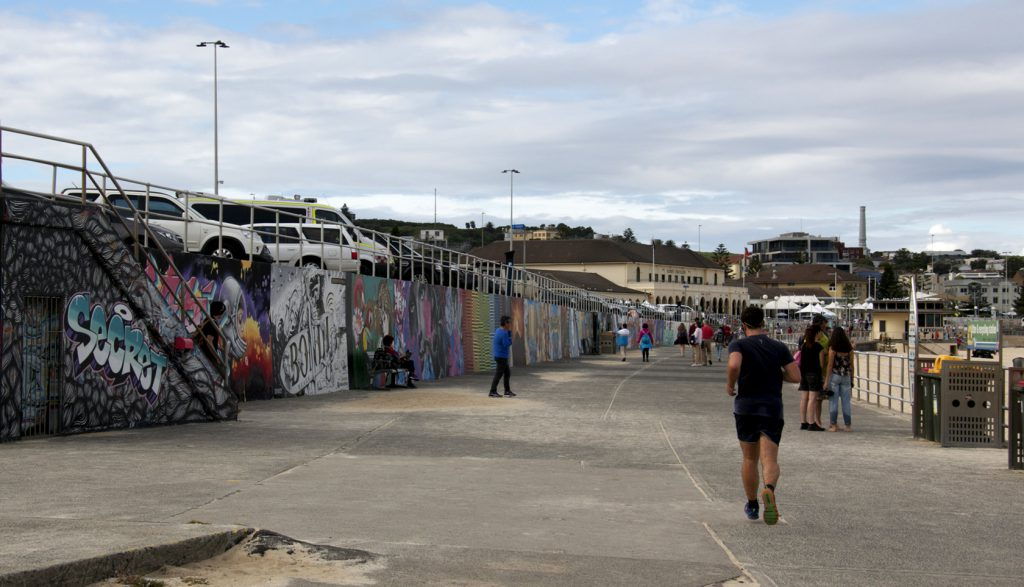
(229, 249)
(312, 262)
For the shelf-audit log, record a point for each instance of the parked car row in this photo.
(299, 232)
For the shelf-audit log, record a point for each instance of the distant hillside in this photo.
(461, 239)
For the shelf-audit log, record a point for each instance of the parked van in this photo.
(317, 245)
(279, 209)
(168, 211)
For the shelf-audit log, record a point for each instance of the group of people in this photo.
(699, 337)
(826, 370)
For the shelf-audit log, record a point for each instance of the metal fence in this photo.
(883, 379)
(380, 254)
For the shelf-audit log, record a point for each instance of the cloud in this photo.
(683, 116)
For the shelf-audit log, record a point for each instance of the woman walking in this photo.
(646, 340)
(839, 375)
(622, 339)
(812, 355)
(682, 338)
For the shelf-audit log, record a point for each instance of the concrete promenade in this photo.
(600, 472)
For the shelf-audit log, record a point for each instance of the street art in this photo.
(65, 251)
(244, 287)
(448, 331)
(308, 331)
(113, 346)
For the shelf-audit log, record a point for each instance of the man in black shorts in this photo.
(760, 364)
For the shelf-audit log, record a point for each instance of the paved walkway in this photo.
(601, 472)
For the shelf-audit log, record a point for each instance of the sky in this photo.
(710, 121)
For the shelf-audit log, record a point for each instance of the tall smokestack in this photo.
(863, 242)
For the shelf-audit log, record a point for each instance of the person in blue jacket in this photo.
(501, 347)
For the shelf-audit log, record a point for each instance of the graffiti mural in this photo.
(308, 330)
(448, 331)
(116, 365)
(245, 289)
(114, 347)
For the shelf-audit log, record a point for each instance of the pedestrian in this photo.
(696, 341)
(622, 340)
(501, 345)
(682, 339)
(645, 340)
(707, 333)
(721, 341)
(759, 364)
(812, 356)
(839, 375)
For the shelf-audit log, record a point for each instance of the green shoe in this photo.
(771, 512)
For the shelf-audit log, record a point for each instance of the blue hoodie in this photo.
(501, 344)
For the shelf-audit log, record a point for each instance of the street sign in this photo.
(518, 227)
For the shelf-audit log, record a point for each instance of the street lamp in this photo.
(975, 311)
(218, 44)
(481, 229)
(775, 324)
(511, 183)
(698, 237)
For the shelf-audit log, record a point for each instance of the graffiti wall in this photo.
(245, 289)
(308, 331)
(448, 331)
(87, 339)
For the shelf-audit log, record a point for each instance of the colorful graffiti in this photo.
(244, 287)
(308, 331)
(113, 346)
(448, 331)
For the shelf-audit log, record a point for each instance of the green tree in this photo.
(395, 231)
(657, 242)
(903, 260)
(942, 267)
(987, 254)
(720, 256)
(920, 261)
(801, 258)
(628, 236)
(1014, 264)
(979, 264)
(670, 243)
(889, 286)
(864, 262)
(754, 265)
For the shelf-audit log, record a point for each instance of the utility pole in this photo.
(435, 206)
(216, 163)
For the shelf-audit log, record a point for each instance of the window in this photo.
(165, 208)
(289, 235)
(638, 274)
(881, 325)
(330, 236)
(716, 279)
(329, 216)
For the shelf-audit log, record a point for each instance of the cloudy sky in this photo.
(748, 118)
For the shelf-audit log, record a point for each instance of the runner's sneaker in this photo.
(752, 509)
(771, 512)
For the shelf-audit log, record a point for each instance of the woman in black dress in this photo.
(812, 356)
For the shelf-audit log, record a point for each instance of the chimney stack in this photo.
(863, 242)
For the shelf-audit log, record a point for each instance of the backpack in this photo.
(645, 339)
(693, 339)
(719, 337)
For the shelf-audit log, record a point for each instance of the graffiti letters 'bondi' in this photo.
(306, 354)
(112, 346)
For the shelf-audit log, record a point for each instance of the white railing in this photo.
(883, 379)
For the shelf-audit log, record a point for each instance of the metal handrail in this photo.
(88, 148)
(435, 263)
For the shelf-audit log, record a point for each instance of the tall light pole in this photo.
(435, 206)
(218, 44)
(481, 229)
(511, 185)
(698, 238)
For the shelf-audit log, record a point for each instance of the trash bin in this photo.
(1017, 416)
(927, 406)
(607, 343)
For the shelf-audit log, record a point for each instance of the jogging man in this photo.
(760, 364)
(501, 346)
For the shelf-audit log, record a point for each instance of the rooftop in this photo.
(589, 281)
(802, 273)
(573, 251)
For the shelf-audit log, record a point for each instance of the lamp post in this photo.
(481, 229)
(218, 44)
(775, 324)
(698, 238)
(511, 184)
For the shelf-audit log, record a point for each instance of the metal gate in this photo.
(41, 366)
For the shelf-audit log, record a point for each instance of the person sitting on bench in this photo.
(404, 362)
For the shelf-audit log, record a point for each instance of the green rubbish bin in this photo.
(927, 412)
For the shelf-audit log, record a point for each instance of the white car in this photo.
(317, 245)
(159, 209)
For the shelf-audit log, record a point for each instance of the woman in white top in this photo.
(622, 339)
